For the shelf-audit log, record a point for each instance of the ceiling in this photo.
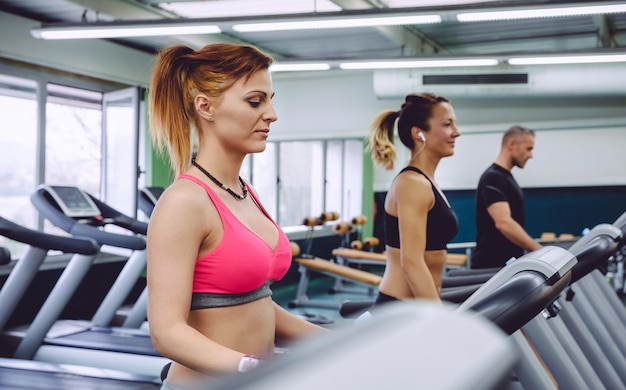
(525, 36)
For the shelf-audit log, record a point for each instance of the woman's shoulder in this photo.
(413, 179)
(184, 197)
(407, 186)
(183, 190)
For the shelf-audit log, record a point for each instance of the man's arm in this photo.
(500, 212)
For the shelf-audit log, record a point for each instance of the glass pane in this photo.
(73, 140)
(18, 152)
(301, 188)
(334, 179)
(265, 177)
(353, 179)
(121, 152)
(73, 144)
(245, 169)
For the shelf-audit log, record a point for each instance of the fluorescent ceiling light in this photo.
(431, 3)
(299, 67)
(540, 13)
(237, 8)
(580, 59)
(399, 64)
(119, 30)
(321, 22)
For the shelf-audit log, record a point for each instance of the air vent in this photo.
(460, 79)
(567, 80)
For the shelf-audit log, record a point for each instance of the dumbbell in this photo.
(359, 220)
(342, 228)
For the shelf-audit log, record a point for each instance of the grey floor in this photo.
(318, 291)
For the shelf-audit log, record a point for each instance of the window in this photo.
(312, 176)
(73, 138)
(265, 177)
(121, 168)
(70, 131)
(352, 179)
(18, 154)
(51, 132)
(334, 177)
(301, 186)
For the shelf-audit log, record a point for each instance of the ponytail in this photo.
(380, 141)
(170, 118)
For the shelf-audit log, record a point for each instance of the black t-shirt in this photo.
(493, 249)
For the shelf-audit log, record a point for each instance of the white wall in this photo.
(580, 140)
(584, 156)
(324, 105)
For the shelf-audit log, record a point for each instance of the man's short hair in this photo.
(516, 131)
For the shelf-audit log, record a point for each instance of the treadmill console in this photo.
(152, 194)
(73, 201)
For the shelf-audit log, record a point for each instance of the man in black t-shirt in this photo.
(500, 204)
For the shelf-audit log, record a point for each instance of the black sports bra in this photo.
(441, 226)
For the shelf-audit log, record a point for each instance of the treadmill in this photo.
(564, 341)
(591, 250)
(570, 366)
(148, 198)
(26, 374)
(413, 344)
(91, 342)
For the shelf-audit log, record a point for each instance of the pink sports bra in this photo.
(241, 267)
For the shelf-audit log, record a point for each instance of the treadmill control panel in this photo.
(73, 201)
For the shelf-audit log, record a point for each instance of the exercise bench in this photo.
(347, 257)
(308, 264)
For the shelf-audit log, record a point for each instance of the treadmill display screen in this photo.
(73, 201)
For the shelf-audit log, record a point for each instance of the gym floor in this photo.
(318, 290)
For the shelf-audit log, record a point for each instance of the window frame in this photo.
(41, 77)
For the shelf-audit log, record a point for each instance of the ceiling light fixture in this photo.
(138, 28)
(299, 67)
(540, 13)
(324, 22)
(573, 59)
(400, 64)
(122, 29)
(239, 8)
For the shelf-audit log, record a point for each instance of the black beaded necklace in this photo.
(219, 183)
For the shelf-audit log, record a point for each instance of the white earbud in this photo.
(421, 136)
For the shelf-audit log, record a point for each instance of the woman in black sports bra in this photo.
(419, 221)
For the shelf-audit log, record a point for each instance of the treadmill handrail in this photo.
(148, 198)
(119, 218)
(620, 223)
(551, 261)
(594, 255)
(47, 208)
(13, 231)
(524, 295)
(601, 229)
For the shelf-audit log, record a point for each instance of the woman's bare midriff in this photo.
(394, 282)
(247, 328)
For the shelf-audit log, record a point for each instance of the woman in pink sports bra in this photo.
(213, 250)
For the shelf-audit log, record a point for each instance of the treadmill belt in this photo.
(106, 341)
(12, 378)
